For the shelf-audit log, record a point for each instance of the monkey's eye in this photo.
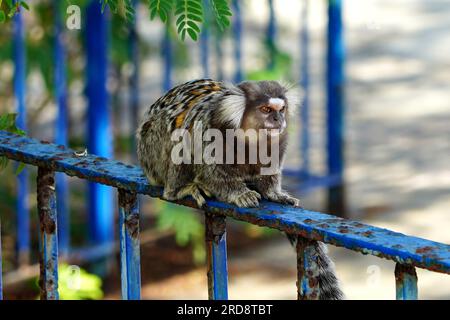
(265, 109)
(283, 109)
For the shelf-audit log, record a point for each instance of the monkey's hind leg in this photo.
(227, 187)
(192, 190)
(179, 184)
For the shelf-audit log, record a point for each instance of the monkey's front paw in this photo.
(287, 199)
(247, 199)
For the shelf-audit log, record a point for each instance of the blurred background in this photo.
(396, 128)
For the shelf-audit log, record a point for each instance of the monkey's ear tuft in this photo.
(231, 107)
(294, 95)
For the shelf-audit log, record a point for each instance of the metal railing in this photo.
(408, 252)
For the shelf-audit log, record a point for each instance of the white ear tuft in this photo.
(232, 107)
(294, 96)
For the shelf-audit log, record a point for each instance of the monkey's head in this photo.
(259, 105)
(266, 106)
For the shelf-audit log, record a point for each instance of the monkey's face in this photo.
(268, 115)
(266, 106)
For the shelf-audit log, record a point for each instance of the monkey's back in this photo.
(179, 108)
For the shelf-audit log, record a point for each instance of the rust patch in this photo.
(424, 249)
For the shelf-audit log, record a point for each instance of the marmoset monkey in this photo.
(249, 123)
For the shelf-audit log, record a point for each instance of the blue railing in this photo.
(408, 252)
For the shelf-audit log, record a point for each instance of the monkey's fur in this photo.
(222, 106)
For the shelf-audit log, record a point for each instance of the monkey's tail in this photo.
(323, 267)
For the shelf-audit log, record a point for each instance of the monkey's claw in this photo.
(248, 199)
(287, 199)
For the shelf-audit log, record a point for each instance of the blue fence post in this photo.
(304, 81)
(129, 245)
(237, 39)
(23, 219)
(216, 248)
(99, 138)
(307, 281)
(405, 282)
(61, 129)
(335, 106)
(168, 60)
(134, 79)
(271, 35)
(218, 40)
(204, 42)
(48, 258)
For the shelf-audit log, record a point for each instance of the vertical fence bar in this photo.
(271, 35)
(48, 258)
(307, 280)
(216, 246)
(129, 245)
(99, 138)
(168, 57)
(237, 39)
(335, 106)
(23, 219)
(61, 130)
(405, 282)
(304, 81)
(218, 40)
(134, 79)
(204, 42)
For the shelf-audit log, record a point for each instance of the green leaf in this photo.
(8, 123)
(222, 13)
(190, 15)
(25, 5)
(12, 12)
(2, 16)
(3, 163)
(162, 8)
(19, 168)
(186, 225)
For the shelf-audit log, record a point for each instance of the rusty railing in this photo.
(408, 252)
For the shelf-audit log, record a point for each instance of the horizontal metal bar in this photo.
(405, 282)
(48, 259)
(312, 225)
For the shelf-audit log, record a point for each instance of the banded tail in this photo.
(322, 268)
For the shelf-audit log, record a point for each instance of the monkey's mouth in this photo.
(275, 130)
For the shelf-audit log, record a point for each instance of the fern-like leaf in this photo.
(190, 15)
(222, 13)
(122, 7)
(162, 8)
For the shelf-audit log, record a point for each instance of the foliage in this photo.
(189, 14)
(75, 283)
(186, 225)
(282, 68)
(8, 123)
(10, 8)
